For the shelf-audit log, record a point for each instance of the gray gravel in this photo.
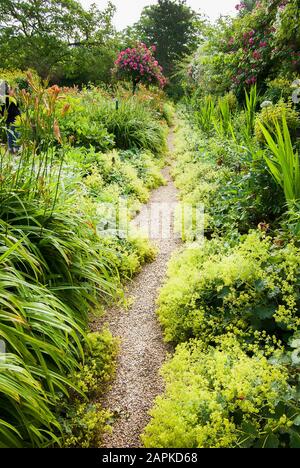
(142, 350)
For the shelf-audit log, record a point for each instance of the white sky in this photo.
(128, 11)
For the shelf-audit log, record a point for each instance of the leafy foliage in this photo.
(59, 39)
(83, 422)
(285, 166)
(219, 289)
(133, 125)
(173, 27)
(249, 48)
(230, 180)
(231, 303)
(57, 267)
(222, 398)
(271, 116)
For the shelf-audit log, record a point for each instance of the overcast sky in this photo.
(128, 11)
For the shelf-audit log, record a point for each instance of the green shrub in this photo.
(57, 269)
(222, 398)
(84, 421)
(84, 425)
(168, 113)
(270, 115)
(81, 129)
(232, 182)
(43, 338)
(133, 125)
(223, 118)
(147, 166)
(15, 77)
(54, 269)
(214, 290)
(204, 112)
(99, 362)
(130, 173)
(109, 170)
(279, 89)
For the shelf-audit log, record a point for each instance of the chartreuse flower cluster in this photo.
(271, 114)
(216, 289)
(78, 153)
(222, 398)
(233, 307)
(84, 422)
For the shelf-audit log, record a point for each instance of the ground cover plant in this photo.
(58, 269)
(230, 305)
(220, 397)
(91, 132)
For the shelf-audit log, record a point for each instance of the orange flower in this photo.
(56, 131)
(54, 90)
(36, 102)
(278, 242)
(65, 109)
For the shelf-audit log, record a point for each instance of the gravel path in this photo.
(143, 351)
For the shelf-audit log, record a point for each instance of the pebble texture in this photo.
(142, 350)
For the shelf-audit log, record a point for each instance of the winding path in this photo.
(142, 350)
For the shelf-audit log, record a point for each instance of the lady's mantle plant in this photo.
(139, 66)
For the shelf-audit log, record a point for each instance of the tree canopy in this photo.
(58, 38)
(173, 27)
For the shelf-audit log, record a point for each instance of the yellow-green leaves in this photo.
(218, 398)
(284, 163)
(216, 289)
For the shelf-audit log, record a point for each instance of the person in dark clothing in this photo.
(10, 111)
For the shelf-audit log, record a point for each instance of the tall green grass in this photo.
(250, 109)
(133, 125)
(284, 163)
(204, 113)
(52, 270)
(54, 267)
(222, 119)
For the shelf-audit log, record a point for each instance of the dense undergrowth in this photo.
(63, 257)
(231, 304)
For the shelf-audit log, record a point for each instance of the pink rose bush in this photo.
(139, 65)
(241, 6)
(252, 44)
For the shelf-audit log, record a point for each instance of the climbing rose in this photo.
(240, 6)
(139, 65)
